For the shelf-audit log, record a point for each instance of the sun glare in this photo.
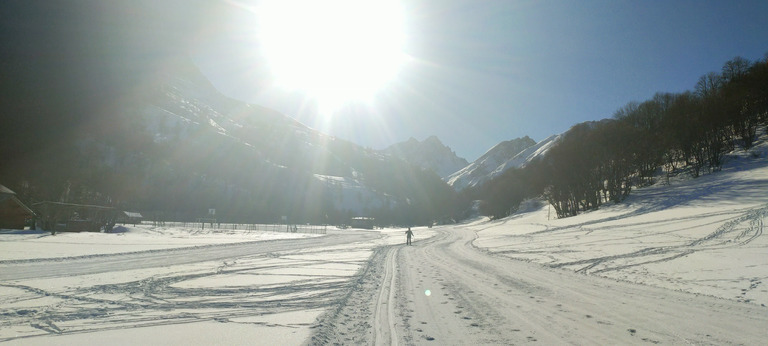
(335, 50)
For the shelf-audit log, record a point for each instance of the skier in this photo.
(408, 235)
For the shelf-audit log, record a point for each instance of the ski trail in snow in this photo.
(738, 231)
(104, 263)
(448, 292)
(385, 318)
(232, 284)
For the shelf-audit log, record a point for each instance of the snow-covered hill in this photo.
(703, 235)
(505, 155)
(430, 154)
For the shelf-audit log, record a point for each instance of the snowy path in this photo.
(384, 318)
(449, 292)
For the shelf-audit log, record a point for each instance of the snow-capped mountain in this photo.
(430, 154)
(503, 156)
(165, 141)
(313, 170)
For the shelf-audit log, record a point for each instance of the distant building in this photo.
(69, 217)
(13, 213)
(129, 217)
(362, 222)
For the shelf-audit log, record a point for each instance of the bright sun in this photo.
(335, 50)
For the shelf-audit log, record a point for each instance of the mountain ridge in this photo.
(429, 154)
(495, 161)
(116, 105)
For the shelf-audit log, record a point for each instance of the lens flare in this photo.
(336, 50)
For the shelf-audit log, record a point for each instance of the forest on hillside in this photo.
(599, 162)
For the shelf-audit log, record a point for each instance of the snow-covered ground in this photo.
(684, 262)
(678, 263)
(31, 244)
(149, 285)
(700, 235)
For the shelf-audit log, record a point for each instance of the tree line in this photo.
(598, 162)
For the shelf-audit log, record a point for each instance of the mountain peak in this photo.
(499, 158)
(430, 154)
(433, 139)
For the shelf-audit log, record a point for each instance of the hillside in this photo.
(703, 235)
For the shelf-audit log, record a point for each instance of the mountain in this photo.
(179, 147)
(109, 109)
(527, 155)
(505, 155)
(429, 154)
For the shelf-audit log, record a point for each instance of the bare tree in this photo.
(708, 84)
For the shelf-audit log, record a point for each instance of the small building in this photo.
(69, 217)
(13, 213)
(362, 222)
(125, 217)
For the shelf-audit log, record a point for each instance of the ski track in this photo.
(182, 287)
(384, 317)
(727, 235)
(477, 298)
(734, 230)
(101, 263)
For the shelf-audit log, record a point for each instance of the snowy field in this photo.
(28, 245)
(694, 247)
(702, 235)
(150, 285)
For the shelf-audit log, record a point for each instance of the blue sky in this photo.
(488, 71)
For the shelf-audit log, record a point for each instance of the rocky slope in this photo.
(491, 164)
